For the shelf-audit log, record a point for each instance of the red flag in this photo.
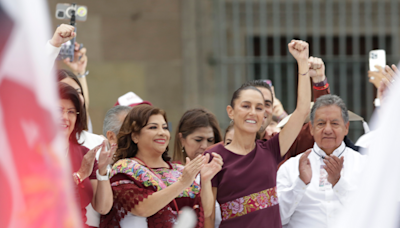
(36, 189)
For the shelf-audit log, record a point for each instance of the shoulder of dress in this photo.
(178, 167)
(217, 148)
(127, 166)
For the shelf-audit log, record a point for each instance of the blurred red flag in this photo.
(36, 190)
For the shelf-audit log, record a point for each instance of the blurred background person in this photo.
(113, 121)
(229, 131)
(91, 177)
(197, 130)
(88, 139)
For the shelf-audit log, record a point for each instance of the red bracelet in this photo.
(77, 178)
(321, 87)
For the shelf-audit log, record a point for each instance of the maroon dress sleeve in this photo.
(273, 146)
(317, 93)
(217, 149)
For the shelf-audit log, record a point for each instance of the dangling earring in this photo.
(183, 149)
(231, 121)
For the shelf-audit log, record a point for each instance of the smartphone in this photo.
(377, 57)
(64, 11)
(67, 51)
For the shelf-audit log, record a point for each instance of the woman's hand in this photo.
(87, 163)
(192, 168)
(299, 50)
(209, 170)
(105, 157)
(78, 66)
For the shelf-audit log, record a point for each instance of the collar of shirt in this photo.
(337, 152)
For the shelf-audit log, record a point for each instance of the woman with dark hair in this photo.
(197, 130)
(92, 184)
(149, 191)
(246, 186)
(86, 138)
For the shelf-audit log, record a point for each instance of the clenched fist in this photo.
(62, 34)
(299, 50)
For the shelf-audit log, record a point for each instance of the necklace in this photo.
(323, 157)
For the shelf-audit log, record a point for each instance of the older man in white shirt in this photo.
(314, 186)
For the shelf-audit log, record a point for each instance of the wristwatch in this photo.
(103, 178)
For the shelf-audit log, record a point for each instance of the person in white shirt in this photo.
(313, 187)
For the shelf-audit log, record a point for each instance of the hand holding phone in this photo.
(377, 58)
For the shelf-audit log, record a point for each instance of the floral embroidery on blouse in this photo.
(165, 178)
(249, 203)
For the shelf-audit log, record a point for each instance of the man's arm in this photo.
(291, 185)
(318, 77)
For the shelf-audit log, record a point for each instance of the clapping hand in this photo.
(192, 168)
(211, 168)
(105, 157)
(305, 168)
(88, 162)
(333, 166)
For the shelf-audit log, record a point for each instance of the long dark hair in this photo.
(134, 122)
(67, 92)
(190, 121)
(63, 74)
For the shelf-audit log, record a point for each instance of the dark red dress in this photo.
(247, 186)
(84, 191)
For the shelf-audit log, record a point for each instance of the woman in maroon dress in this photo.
(246, 186)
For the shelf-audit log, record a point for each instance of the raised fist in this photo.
(62, 34)
(316, 69)
(299, 50)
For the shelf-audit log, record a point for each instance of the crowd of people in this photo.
(268, 169)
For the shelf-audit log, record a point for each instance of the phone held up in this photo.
(73, 13)
(377, 57)
(65, 11)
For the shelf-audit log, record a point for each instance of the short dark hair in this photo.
(259, 83)
(189, 122)
(134, 122)
(237, 93)
(63, 74)
(67, 92)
